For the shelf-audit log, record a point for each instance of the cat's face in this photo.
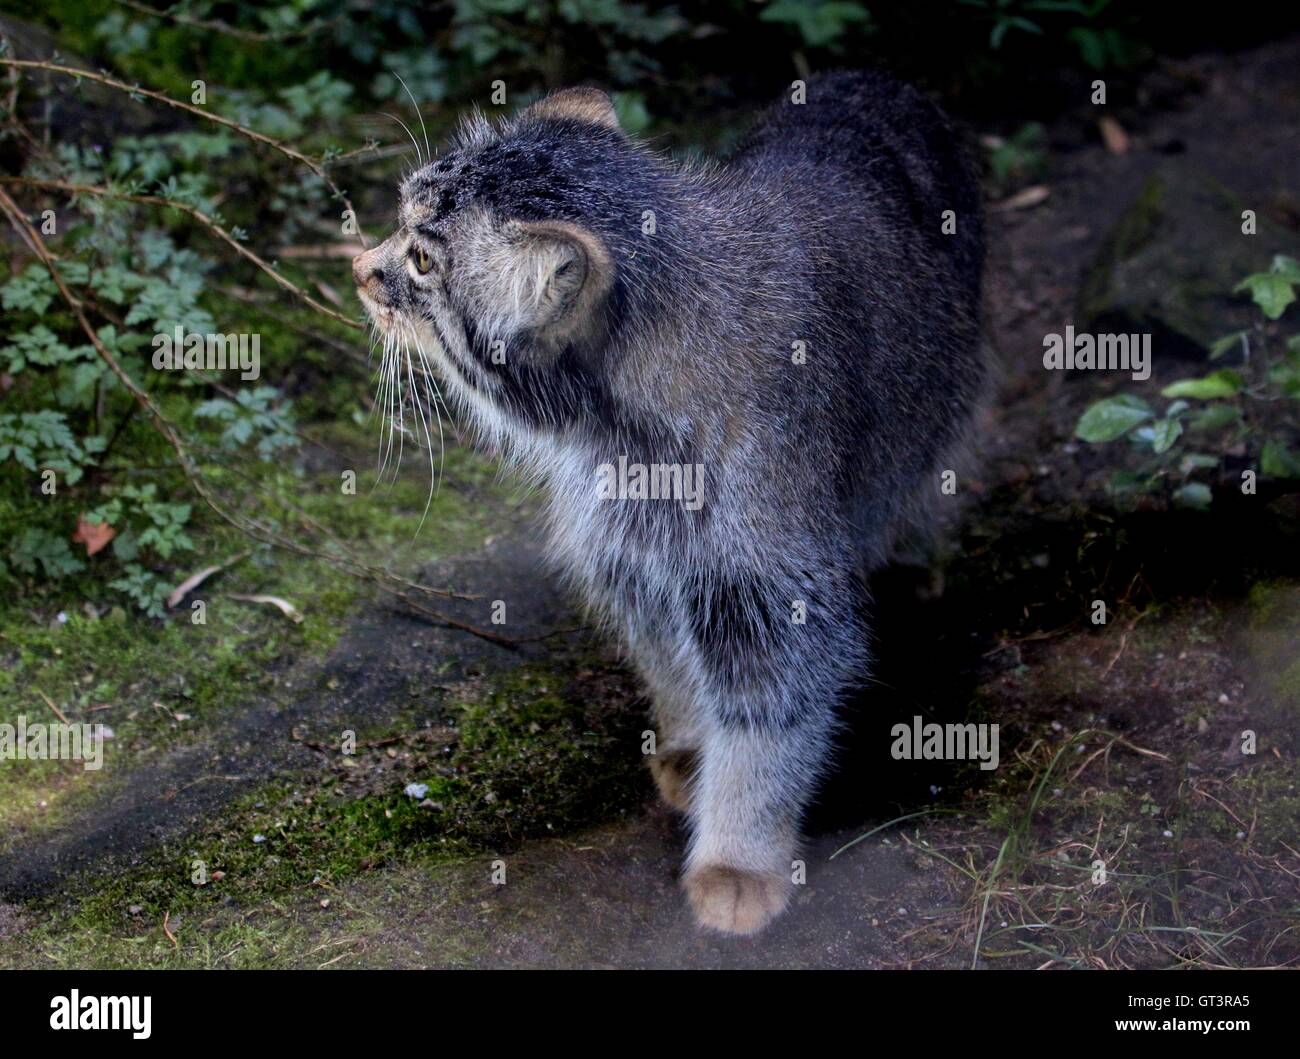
(496, 275)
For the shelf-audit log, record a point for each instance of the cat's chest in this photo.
(615, 546)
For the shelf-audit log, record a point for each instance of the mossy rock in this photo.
(1170, 264)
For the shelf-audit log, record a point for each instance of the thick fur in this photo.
(677, 346)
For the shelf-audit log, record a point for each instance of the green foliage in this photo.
(1113, 417)
(1273, 290)
(1019, 158)
(252, 415)
(143, 520)
(36, 546)
(65, 407)
(1222, 383)
(1100, 45)
(44, 441)
(302, 71)
(820, 22)
(1251, 409)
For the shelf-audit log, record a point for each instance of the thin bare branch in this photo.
(316, 166)
(217, 26)
(198, 215)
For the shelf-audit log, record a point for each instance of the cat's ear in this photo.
(589, 105)
(559, 276)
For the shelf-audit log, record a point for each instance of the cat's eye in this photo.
(423, 261)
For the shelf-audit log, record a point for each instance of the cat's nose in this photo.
(366, 270)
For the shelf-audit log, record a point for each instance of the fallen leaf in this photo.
(94, 535)
(1113, 135)
(283, 605)
(194, 580)
(1023, 200)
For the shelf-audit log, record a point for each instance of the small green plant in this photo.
(1018, 158)
(1227, 411)
(1100, 46)
(252, 415)
(821, 23)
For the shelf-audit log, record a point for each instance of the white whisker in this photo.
(423, 131)
(414, 142)
(419, 408)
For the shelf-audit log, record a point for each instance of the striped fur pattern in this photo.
(793, 322)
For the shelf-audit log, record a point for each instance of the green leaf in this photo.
(1278, 461)
(1194, 495)
(1286, 375)
(43, 547)
(1167, 431)
(633, 115)
(1215, 417)
(820, 22)
(144, 587)
(42, 347)
(1112, 417)
(1287, 267)
(1222, 383)
(33, 288)
(1272, 292)
(1124, 484)
(1226, 344)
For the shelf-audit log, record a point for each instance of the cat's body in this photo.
(795, 325)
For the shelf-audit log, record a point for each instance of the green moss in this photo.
(169, 683)
(539, 757)
(535, 753)
(1133, 231)
(1274, 604)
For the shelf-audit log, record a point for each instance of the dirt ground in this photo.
(1120, 743)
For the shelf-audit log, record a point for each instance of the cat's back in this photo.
(873, 185)
(871, 160)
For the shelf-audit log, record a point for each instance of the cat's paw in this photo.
(673, 771)
(733, 900)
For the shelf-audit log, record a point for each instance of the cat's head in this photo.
(503, 271)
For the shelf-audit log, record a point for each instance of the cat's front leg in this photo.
(675, 712)
(773, 656)
(752, 783)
